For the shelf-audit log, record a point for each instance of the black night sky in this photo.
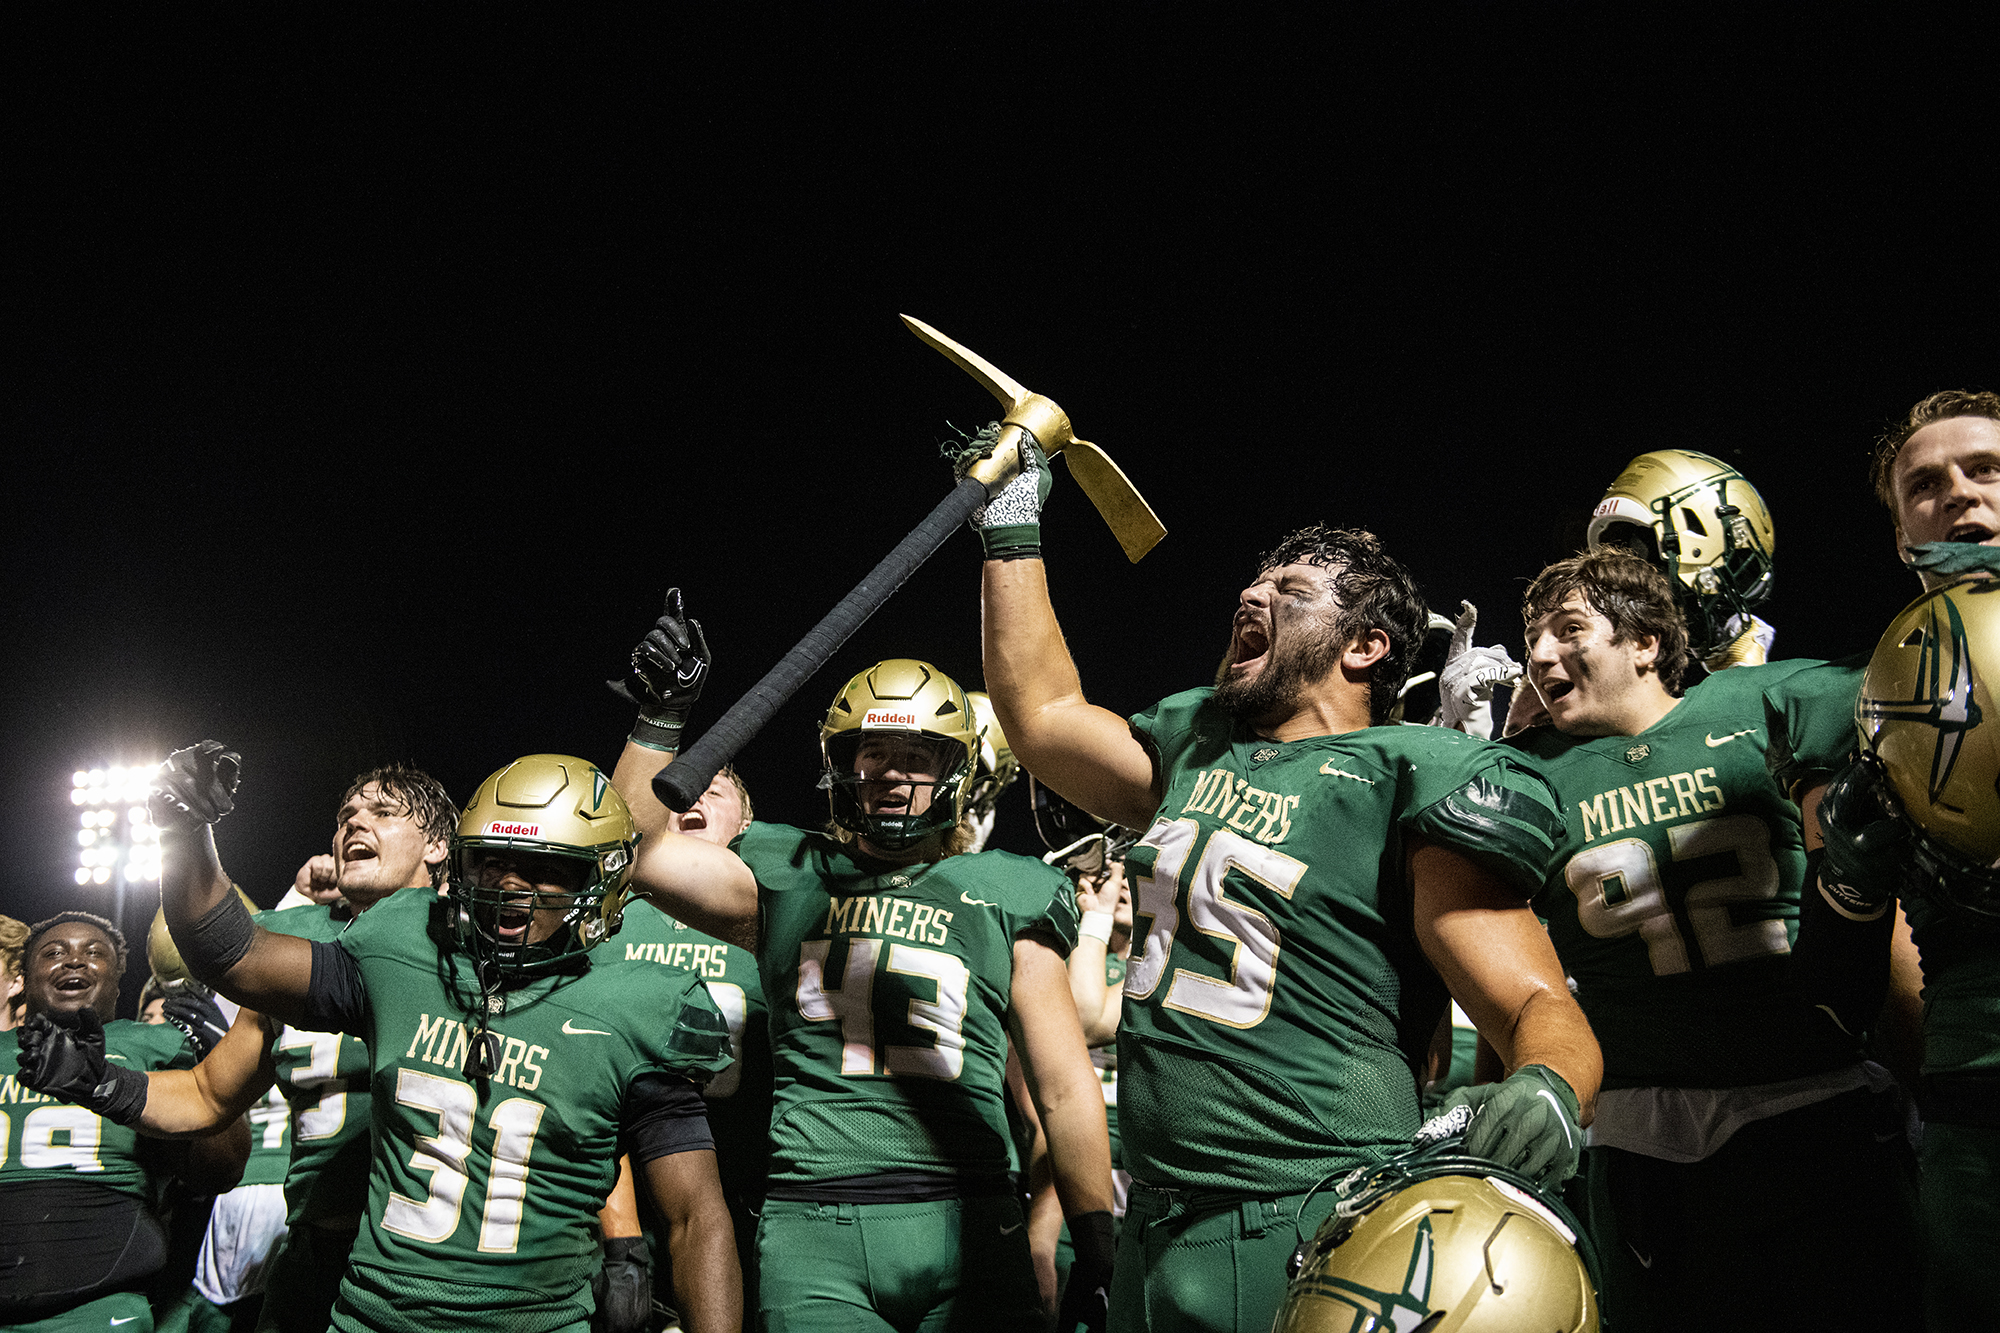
(372, 383)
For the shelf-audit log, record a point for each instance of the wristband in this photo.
(218, 939)
(1013, 541)
(1096, 926)
(660, 730)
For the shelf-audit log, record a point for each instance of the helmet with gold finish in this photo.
(911, 701)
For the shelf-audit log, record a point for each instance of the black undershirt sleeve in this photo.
(336, 1001)
(664, 1115)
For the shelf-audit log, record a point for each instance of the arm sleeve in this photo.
(336, 1001)
(1505, 818)
(664, 1115)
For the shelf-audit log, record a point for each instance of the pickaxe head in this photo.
(1132, 520)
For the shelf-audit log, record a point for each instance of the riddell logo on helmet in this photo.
(1609, 506)
(497, 829)
(885, 717)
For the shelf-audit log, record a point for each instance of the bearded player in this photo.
(1312, 889)
(1937, 471)
(510, 1063)
(78, 1189)
(1736, 1146)
(392, 830)
(897, 969)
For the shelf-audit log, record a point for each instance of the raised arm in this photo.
(1498, 963)
(1085, 752)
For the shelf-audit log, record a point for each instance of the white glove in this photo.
(1470, 675)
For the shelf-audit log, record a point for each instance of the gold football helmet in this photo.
(1922, 712)
(996, 766)
(552, 806)
(164, 956)
(1704, 525)
(901, 696)
(1443, 1243)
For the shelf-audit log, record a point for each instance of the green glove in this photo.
(1009, 524)
(1528, 1122)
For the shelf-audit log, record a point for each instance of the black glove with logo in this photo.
(1867, 841)
(197, 1015)
(196, 786)
(1087, 1298)
(669, 667)
(623, 1287)
(62, 1056)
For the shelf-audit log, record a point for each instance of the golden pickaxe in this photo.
(680, 784)
(1132, 520)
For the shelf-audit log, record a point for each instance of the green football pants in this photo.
(1805, 1220)
(953, 1265)
(1185, 1265)
(303, 1279)
(1961, 1207)
(120, 1312)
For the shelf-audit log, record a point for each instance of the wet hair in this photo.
(1940, 406)
(423, 799)
(41, 928)
(1626, 590)
(1374, 592)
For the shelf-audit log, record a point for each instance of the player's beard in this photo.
(1302, 656)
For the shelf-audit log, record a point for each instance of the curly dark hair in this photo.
(422, 797)
(41, 928)
(1940, 406)
(1374, 591)
(1626, 590)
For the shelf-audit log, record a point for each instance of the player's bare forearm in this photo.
(1061, 1080)
(618, 1219)
(701, 1244)
(186, 1103)
(1496, 960)
(1045, 1216)
(275, 973)
(215, 1161)
(705, 887)
(633, 779)
(1098, 1005)
(1085, 752)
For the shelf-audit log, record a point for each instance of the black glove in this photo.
(195, 1014)
(669, 667)
(1868, 842)
(195, 786)
(1528, 1122)
(1087, 1297)
(62, 1056)
(623, 1287)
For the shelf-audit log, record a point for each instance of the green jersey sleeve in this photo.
(1810, 717)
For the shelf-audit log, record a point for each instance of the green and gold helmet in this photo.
(912, 699)
(1704, 526)
(1923, 714)
(996, 766)
(555, 819)
(1443, 1243)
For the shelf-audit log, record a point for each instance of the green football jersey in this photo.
(500, 1185)
(270, 1158)
(1810, 718)
(1280, 1010)
(324, 1079)
(1961, 958)
(739, 1097)
(1676, 898)
(50, 1140)
(888, 990)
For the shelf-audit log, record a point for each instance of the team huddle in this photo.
(1676, 1005)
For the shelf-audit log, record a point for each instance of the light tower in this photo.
(118, 843)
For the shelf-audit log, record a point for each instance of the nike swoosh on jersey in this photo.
(1645, 1260)
(570, 1030)
(1714, 740)
(126, 1320)
(1329, 770)
(970, 901)
(1008, 1231)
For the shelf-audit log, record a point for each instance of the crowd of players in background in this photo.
(1682, 996)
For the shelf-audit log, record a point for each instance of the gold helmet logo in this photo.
(1703, 524)
(1924, 711)
(910, 697)
(544, 805)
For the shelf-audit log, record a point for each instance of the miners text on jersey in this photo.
(1654, 801)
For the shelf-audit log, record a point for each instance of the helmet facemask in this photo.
(527, 909)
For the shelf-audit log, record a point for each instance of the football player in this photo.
(896, 969)
(997, 770)
(1938, 473)
(508, 1062)
(13, 935)
(1310, 890)
(1672, 908)
(391, 830)
(78, 1235)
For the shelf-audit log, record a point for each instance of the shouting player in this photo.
(509, 1062)
(1311, 890)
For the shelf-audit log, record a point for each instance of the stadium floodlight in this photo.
(117, 842)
